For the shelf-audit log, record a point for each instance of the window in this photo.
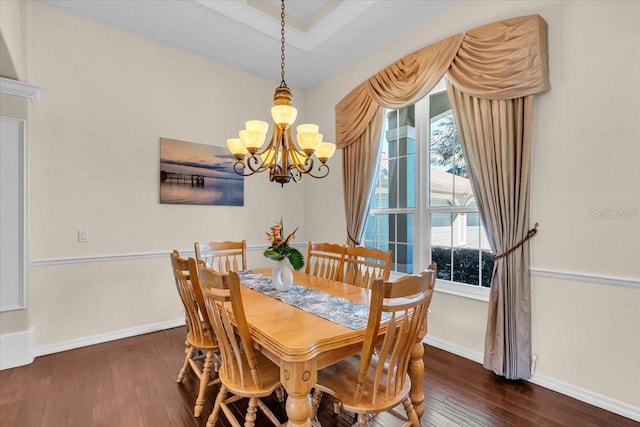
(422, 204)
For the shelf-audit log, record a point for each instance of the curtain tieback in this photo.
(529, 235)
(352, 239)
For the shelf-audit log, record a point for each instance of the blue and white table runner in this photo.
(338, 310)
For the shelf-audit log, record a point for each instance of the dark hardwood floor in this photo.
(131, 382)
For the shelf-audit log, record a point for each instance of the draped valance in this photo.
(501, 60)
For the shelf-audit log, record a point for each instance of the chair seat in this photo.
(339, 380)
(231, 377)
(207, 342)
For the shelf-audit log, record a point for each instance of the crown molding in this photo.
(306, 37)
(18, 88)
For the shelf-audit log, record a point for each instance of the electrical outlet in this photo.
(83, 236)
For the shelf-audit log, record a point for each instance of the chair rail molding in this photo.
(18, 88)
(583, 277)
(132, 256)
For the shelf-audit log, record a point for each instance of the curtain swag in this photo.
(493, 72)
(502, 60)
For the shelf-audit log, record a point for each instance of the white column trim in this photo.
(18, 88)
(21, 249)
(17, 349)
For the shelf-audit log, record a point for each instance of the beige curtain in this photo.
(361, 115)
(496, 140)
(360, 159)
(500, 61)
(400, 84)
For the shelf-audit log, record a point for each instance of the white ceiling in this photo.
(322, 36)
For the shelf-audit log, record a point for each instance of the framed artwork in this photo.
(198, 174)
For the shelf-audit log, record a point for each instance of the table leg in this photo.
(416, 373)
(298, 378)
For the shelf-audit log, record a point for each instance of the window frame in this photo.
(422, 211)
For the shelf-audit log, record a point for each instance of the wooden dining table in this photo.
(301, 343)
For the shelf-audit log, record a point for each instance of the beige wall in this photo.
(14, 18)
(585, 157)
(108, 96)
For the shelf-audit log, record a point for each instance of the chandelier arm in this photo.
(299, 158)
(295, 174)
(256, 163)
(323, 167)
(240, 168)
(268, 146)
(272, 173)
(285, 149)
(276, 168)
(279, 175)
(305, 166)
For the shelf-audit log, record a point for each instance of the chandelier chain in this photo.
(282, 82)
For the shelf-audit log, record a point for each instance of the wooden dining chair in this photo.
(200, 334)
(363, 265)
(244, 371)
(325, 260)
(376, 380)
(222, 256)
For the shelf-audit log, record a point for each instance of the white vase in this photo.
(282, 275)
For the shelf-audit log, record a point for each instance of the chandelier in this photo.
(281, 157)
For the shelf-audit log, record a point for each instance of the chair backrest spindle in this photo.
(222, 256)
(325, 260)
(364, 265)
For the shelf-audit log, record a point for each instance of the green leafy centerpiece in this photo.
(286, 257)
(280, 249)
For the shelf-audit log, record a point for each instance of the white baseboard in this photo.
(577, 393)
(108, 336)
(476, 356)
(587, 396)
(17, 349)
